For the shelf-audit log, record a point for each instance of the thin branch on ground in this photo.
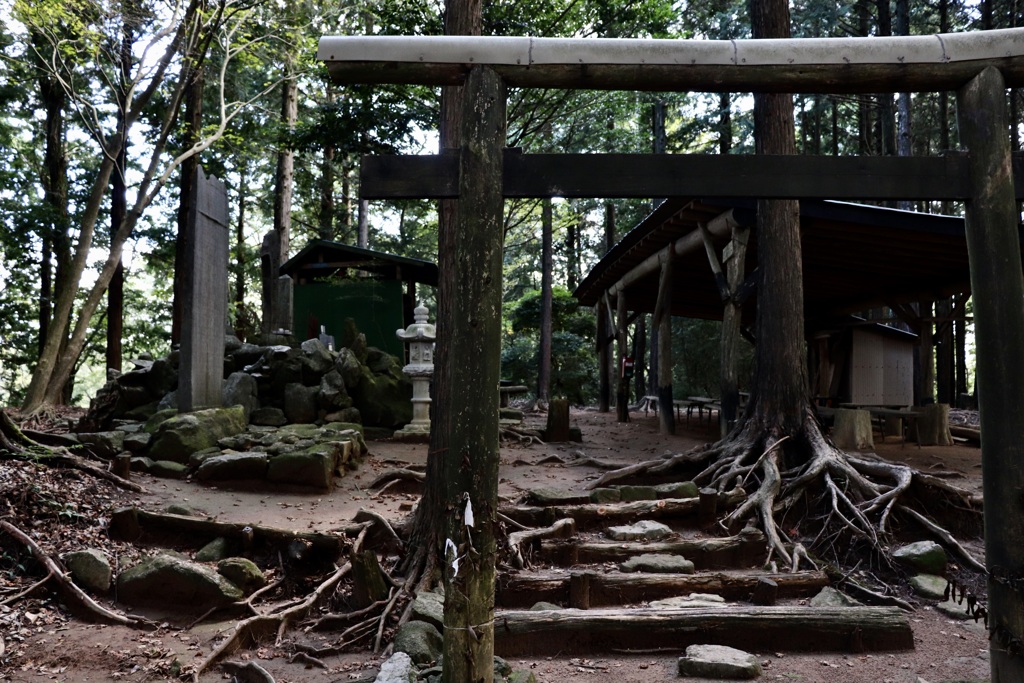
(77, 600)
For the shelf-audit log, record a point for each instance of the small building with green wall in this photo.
(334, 281)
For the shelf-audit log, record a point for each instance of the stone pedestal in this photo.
(420, 338)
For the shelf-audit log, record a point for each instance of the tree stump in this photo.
(558, 421)
(367, 581)
(852, 430)
(933, 425)
(122, 465)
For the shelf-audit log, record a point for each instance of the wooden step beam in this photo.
(746, 549)
(754, 629)
(618, 588)
(592, 515)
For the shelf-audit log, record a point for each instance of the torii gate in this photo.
(979, 66)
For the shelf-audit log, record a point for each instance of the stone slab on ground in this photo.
(657, 563)
(691, 600)
(929, 586)
(719, 661)
(830, 597)
(644, 530)
(397, 669)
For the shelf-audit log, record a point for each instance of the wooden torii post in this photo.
(979, 66)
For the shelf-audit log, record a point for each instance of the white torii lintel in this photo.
(941, 61)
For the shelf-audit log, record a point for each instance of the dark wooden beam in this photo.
(993, 244)
(677, 175)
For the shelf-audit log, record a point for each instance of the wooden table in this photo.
(701, 403)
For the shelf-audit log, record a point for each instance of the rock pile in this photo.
(275, 385)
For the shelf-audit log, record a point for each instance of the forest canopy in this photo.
(108, 106)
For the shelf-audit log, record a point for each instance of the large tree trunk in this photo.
(285, 176)
(471, 461)
(779, 394)
(55, 188)
(57, 362)
(462, 17)
(119, 198)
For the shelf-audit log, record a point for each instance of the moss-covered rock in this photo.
(311, 467)
(382, 400)
(173, 582)
(243, 573)
(178, 437)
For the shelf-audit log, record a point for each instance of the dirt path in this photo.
(41, 645)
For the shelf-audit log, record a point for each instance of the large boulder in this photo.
(313, 466)
(180, 436)
(349, 367)
(924, 556)
(240, 389)
(382, 400)
(161, 379)
(318, 358)
(89, 569)
(300, 403)
(243, 573)
(420, 640)
(173, 582)
(333, 395)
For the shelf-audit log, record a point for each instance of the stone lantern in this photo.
(420, 338)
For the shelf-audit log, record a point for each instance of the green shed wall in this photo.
(374, 305)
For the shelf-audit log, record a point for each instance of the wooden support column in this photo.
(604, 384)
(546, 295)
(663, 324)
(735, 257)
(926, 367)
(993, 246)
(471, 461)
(945, 379)
(622, 324)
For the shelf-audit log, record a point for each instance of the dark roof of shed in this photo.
(855, 257)
(324, 257)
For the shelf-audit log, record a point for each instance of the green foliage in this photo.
(696, 350)
(573, 357)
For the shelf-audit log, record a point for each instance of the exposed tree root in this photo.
(844, 495)
(563, 528)
(16, 445)
(391, 477)
(255, 628)
(76, 599)
(526, 437)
